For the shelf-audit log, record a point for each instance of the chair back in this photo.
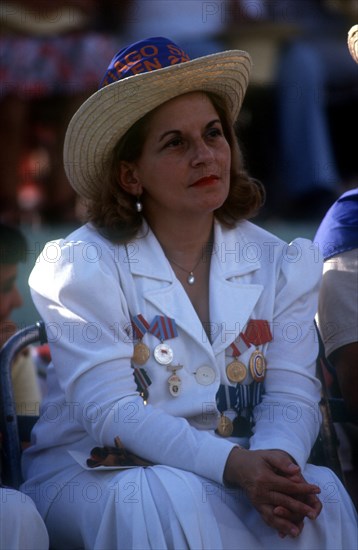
(10, 423)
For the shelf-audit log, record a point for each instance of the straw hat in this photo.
(353, 42)
(140, 78)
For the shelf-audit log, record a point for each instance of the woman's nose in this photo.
(202, 153)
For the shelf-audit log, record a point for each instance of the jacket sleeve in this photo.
(79, 296)
(288, 417)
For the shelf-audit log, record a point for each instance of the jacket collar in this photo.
(232, 296)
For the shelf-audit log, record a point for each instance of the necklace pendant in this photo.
(191, 278)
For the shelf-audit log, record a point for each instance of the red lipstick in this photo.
(206, 180)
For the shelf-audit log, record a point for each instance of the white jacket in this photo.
(86, 289)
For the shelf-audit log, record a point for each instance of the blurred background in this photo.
(294, 127)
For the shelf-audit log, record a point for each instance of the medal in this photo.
(174, 385)
(205, 375)
(257, 365)
(225, 426)
(163, 328)
(258, 332)
(141, 353)
(163, 354)
(174, 380)
(236, 371)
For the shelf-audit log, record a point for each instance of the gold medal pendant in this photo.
(257, 364)
(236, 371)
(141, 353)
(225, 426)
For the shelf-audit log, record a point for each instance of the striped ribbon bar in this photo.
(163, 327)
(140, 325)
(142, 380)
(239, 397)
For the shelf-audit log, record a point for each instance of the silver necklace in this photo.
(191, 277)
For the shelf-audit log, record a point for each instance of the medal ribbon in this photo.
(248, 396)
(140, 325)
(240, 345)
(245, 396)
(163, 327)
(142, 379)
(239, 397)
(258, 332)
(225, 398)
(242, 396)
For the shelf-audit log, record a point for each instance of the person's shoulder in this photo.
(88, 237)
(249, 234)
(338, 230)
(255, 232)
(84, 249)
(85, 233)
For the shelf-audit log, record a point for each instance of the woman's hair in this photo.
(113, 210)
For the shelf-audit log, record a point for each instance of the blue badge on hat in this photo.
(143, 57)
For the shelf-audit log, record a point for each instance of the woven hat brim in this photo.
(106, 116)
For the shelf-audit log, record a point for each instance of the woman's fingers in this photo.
(266, 488)
(284, 511)
(295, 516)
(314, 503)
(276, 488)
(283, 526)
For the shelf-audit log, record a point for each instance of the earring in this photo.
(138, 205)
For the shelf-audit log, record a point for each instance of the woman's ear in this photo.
(127, 178)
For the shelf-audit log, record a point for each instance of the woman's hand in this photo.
(275, 486)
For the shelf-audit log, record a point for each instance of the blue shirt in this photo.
(338, 231)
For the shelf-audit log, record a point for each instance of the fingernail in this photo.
(294, 532)
(311, 515)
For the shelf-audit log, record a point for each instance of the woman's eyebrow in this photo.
(179, 132)
(162, 136)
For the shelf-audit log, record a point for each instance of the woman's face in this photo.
(10, 297)
(184, 168)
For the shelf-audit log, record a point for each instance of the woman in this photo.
(162, 314)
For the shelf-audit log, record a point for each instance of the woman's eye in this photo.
(214, 132)
(175, 142)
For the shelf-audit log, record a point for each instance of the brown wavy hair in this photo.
(113, 210)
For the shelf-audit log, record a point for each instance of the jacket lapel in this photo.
(232, 294)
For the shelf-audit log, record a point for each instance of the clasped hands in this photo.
(275, 486)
